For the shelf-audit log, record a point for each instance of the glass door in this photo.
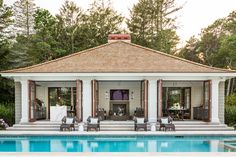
(32, 101)
(177, 102)
(207, 101)
(144, 97)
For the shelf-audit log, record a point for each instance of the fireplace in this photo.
(119, 108)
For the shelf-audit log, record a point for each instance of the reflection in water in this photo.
(119, 144)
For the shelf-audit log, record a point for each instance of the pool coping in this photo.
(118, 133)
(158, 154)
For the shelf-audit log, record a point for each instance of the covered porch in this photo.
(192, 98)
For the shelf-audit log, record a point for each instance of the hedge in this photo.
(230, 110)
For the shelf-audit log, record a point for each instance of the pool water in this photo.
(117, 144)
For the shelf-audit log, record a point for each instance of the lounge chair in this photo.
(93, 123)
(67, 124)
(140, 123)
(166, 124)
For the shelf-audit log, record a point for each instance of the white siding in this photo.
(17, 102)
(221, 102)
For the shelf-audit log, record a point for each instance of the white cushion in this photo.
(93, 120)
(140, 120)
(164, 120)
(69, 120)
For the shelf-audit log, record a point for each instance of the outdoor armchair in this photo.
(93, 123)
(166, 124)
(140, 123)
(68, 124)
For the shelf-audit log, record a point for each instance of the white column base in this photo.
(24, 120)
(215, 120)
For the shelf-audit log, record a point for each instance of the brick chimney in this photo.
(118, 37)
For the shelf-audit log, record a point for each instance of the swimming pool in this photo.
(117, 144)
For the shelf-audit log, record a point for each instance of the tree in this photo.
(44, 45)
(70, 19)
(5, 19)
(19, 53)
(101, 21)
(191, 51)
(24, 11)
(217, 46)
(152, 24)
(6, 85)
(5, 22)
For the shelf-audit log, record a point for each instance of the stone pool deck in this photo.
(122, 133)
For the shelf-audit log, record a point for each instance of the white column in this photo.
(152, 100)
(87, 99)
(24, 101)
(215, 101)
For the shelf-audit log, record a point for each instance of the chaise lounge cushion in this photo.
(140, 120)
(93, 120)
(69, 120)
(164, 120)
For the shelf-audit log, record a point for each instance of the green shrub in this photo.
(7, 113)
(230, 115)
(231, 100)
(230, 110)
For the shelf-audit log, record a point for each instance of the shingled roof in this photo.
(119, 57)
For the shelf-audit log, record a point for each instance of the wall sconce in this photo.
(132, 95)
(106, 95)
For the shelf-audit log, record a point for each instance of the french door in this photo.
(32, 101)
(159, 99)
(79, 100)
(207, 101)
(94, 97)
(144, 97)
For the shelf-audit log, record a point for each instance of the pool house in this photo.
(117, 81)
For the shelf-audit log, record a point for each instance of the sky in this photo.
(195, 15)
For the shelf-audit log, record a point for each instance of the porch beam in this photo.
(25, 101)
(215, 101)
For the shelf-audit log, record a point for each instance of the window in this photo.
(62, 96)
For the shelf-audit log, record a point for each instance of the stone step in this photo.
(123, 126)
(123, 129)
(32, 129)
